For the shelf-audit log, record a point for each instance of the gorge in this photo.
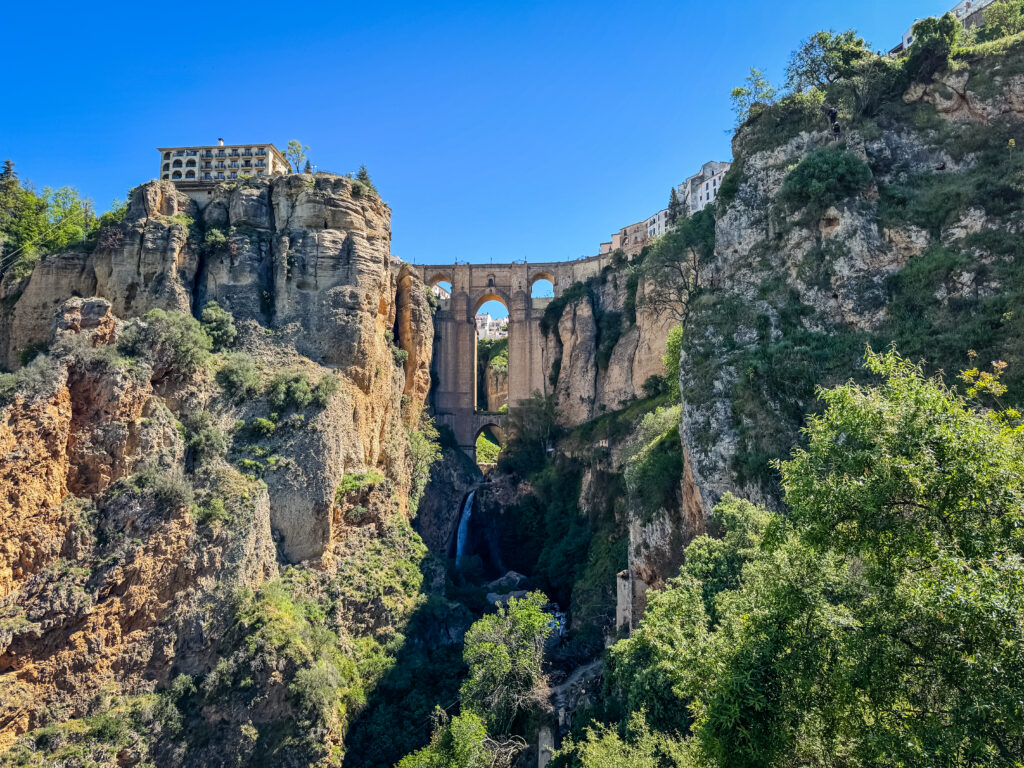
(242, 522)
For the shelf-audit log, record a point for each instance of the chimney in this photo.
(220, 142)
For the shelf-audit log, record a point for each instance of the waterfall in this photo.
(463, 534)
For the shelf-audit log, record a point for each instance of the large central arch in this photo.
(454, 373)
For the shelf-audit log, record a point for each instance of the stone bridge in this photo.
(454, 395)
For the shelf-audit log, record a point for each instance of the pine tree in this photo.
(675, 207)
(364, 176)
(308, 168)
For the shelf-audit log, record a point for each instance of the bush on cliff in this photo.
(173, 342)
(219, 325)
(881, 619)
(824, 178)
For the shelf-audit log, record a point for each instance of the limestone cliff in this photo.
(145, 481)
(603, 344)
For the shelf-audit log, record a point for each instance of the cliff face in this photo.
(137, 495)
(606, 344)
(920, 255)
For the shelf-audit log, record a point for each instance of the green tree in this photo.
(675, 207)
(296, 154)
(68, 216)
(504, 652)
(672, 360)
(934, 42)
(219, 325)
(824, 58)
(756, 94)
(672, 267)
(881, 621)
(824, 178)
(1003, 19)
(174, 343)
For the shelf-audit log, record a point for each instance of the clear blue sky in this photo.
(496, 131)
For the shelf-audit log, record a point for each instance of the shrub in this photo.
(823, 178)
(399, 355)
(357, 482)
(34, 380)
(325, 390)
(262, 427)
(290, 390)
(173, 341)
(424, 451)
(204, 438)
(219, 325)
(213, 512)
(169, 488)
(239, 377)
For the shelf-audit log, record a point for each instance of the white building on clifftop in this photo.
(220, 162)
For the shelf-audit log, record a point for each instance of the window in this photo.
(234, 153)
(167, 175)
(206, 177)
(259, 163)
(234, 163)
(220, 175)
(167, 155)
(260, 152)
(259, 173)
(176, 175)
(191, 153)
(190, 174)
(208, 153)
(234, 175)
(206, 165)
(177, 163)
(190, 163)
(247, 163)
(167, 166)
(248, 153)
(220, 164)
(221, 153)
(180, 153)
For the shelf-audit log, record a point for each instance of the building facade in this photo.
(970, 13)
(488, 327)
(220, 162)
(701, 189)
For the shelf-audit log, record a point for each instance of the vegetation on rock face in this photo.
(880, 619)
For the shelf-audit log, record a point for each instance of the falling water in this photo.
(463, 534)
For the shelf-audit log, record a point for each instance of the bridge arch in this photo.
(439, 277)
(492, 295)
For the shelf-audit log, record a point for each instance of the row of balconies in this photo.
(220, 153)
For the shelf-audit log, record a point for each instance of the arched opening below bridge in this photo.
(491, 363)
(542, 286)
(490, 441)
(440, 286)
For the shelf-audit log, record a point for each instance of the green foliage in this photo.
(672, 360)
(203, 438)
(213, 513)
(239, 377)
(609, 331)
(487, 449)
(37, 379)
(881, 620)
(173, 342)
(1002, 19)
(219, 325)
(934, 42)
(671, 267)
(824, 58)
(824, 178)
(553, 311)
(33, 224)
(290, 390)
(531, 427)
(603, 747)
(756, 94)
(400, 356)
(295, 153)
(654, 469)
(504, 652)
(424, 452)
(325, 390)
(461, 743)
(363, 183)
(492, 353)
(170, 489)
(357, 482)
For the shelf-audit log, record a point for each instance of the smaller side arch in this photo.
(492, 294)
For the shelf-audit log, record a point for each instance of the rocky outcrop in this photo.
(586, 384)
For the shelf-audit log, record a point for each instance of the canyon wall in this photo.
(145, 481)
